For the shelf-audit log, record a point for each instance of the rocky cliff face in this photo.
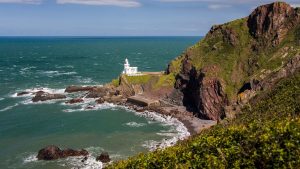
(272, 22)
(205, 88)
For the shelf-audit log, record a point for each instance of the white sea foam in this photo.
(54, 73)
(178, 127)
(91, 107)
(9, 107)
(66, 66)
(87, 80)
(30, 158)
(33, 90)
(1, 98)
(135, 124)
(90, 163)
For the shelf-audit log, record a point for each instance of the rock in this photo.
(76, 100)
(104, 157)
(228, 34)
(100, 100)
(72, 89)
(71, 153)
(84, 159)
(113, 99)
(44, 96)
(202, 95)
(49, 153)
(22, 93)
(272, 22)
(98, 92)
(53, 152)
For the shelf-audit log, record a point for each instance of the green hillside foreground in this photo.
(266, 134)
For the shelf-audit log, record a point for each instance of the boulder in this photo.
(76, 100)
(98, 92)
(72, 89)
(100, 100)
(49, 153)
(104, 157)
(53, 152)
(44, 96)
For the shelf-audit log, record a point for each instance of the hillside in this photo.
(244, 74)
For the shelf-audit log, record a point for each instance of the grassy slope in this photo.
(233, 61)
(265, 135)
(154, 81)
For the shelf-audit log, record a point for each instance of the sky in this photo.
(120, 17)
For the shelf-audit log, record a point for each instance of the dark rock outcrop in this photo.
(44, 96)
(72, 89)
(98, 92)
(229, 36)
(76, 100)
(53, 153)
(104, 157)
(202, 95)
(22, 93)
(271, 22)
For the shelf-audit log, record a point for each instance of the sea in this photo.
(53, 63)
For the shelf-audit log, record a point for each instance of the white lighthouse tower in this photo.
(130, 71)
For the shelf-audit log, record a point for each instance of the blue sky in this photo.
(120, 17)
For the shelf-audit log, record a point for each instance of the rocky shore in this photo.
(111, 94)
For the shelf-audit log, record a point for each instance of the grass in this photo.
(143, 79)
(265, 135)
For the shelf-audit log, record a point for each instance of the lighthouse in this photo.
(130, 71)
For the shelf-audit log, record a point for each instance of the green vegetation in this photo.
(229, 47)
(165, 81)
(143, 79)
(265, 135)
(115, 82)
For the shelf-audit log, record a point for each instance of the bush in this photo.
(265, 135)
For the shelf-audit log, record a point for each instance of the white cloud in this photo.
(295, 5)
(22, 1)
(218, 6)
(120, 3)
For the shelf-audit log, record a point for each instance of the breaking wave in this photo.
(9, 107)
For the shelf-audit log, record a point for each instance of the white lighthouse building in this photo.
(130, 71)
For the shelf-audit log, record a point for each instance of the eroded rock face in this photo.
(104, 158)
(201, 94)
(210, 98)
(44, 96)
(272, 22)
(229, 36)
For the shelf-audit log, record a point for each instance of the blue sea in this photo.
(53, 63)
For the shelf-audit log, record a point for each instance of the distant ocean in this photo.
(53, 63)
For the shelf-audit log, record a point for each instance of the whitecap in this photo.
(90, 107)
(1, 98)
(176, 126)
(135, 124)
(30, 158)
(87, 80)
(9, 107)
(90, 163)
(53, 73)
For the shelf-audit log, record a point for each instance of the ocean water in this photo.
(53, 63)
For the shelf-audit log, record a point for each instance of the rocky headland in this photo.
(212, 81)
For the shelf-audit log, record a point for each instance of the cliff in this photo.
(213, 75)
(248, 71)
